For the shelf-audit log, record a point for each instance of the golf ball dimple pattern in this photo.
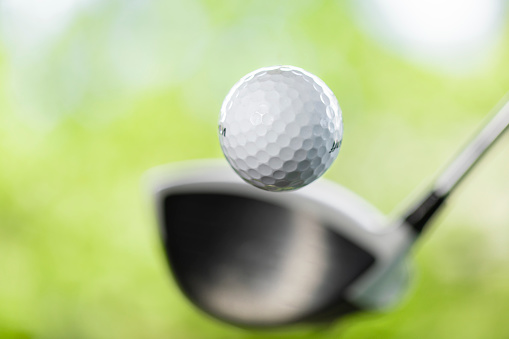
(280, 128)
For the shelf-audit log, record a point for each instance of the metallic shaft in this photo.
(421, 213)
(463, 163)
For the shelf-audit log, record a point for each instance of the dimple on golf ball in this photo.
(280, 128)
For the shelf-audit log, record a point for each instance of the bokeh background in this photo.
(93, 93)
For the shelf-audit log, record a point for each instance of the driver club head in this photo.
(261, 259)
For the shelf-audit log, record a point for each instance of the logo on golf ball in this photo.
(222, 130)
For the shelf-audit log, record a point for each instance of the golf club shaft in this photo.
(460, 167)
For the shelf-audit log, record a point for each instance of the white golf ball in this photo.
(280, 128)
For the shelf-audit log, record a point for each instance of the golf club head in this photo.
(260, 259)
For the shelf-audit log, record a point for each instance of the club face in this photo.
(255, 263)
(260, 259)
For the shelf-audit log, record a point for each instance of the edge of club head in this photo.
(329, 205)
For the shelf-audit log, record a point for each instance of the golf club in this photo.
(259, 259)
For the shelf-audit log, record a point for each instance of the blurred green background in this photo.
(94, 93)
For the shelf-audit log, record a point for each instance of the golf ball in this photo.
(280, 128)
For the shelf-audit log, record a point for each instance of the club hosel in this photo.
(425, 210)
